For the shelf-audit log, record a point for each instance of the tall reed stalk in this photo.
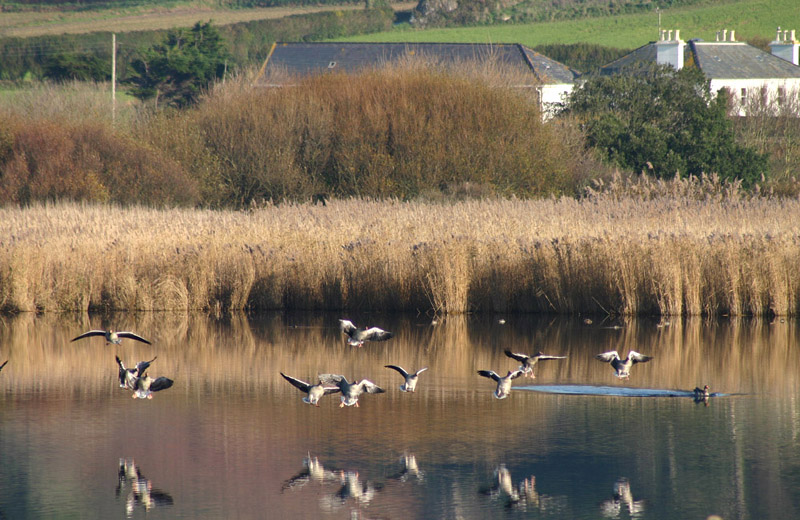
(679, 247)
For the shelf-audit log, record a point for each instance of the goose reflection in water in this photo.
(409, 469)
(512, 496)
(612, 508)
(141, 491)
(313, 471)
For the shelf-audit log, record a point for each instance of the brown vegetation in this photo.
(679, 247)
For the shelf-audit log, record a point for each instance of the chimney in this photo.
(670, 51)
(786, 46)
(733, 38)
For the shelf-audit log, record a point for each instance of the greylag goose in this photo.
(411, 379)
(315, 392)
(623, 366)
(356, 337)
(144, 386)
(351, 391)
(111, 336)
(702, 395)
(529, 362)
(503, 383)
(127, 376)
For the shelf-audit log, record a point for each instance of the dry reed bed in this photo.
(666, 254)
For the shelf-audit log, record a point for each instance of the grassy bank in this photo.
(680, 247)
(749, 18)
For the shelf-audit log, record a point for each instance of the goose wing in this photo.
(516, 355)
(4, 364)
(161, 383)
(89, 334)
(515, 374)
(131, 335)
(347, 327)
(302, 385)
(141, 366)
(544, 357)
(608, 356)
(421, 370)
(638, 358)
(331, 389)
(399, 369)
(369, 387)
(490, 374)
(377, 334)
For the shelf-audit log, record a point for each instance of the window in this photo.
(744, 94)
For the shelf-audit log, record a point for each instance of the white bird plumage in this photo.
(503, 383)
(111, 336)
(411, 379)
(315, 392)
(351, 391)
(621, 366)
(356, 337)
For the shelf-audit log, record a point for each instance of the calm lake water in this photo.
(232, 439)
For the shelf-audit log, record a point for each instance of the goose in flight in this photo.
(529, 362)
(315, 392)
(144, 386)
(111, 336)
(410, 379)
(128, 376)
(503, 383)
(623, 366)
(356, 337)
(351, 391)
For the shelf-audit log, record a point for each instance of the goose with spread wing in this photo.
(111, 336)
(621, 366)
(529, 362)
(411, 379)
(351, 391)
(128, 376)
(503, 383)
(144, 386)
(356, 337)
(315, 392)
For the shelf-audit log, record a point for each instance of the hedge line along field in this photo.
(680, 247)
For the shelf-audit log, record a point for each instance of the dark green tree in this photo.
(177, 70)
(74, 66)
(663, 121)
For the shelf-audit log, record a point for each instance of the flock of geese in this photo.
(351, 390)
(142, 385)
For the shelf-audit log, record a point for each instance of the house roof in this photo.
(300, 59)
(717, 60)
(738, 60)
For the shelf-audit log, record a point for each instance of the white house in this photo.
(747, 72)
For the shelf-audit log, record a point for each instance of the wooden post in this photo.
(113, 77)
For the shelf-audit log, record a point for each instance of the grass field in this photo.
(749, 18)
(677, 247)
(26, 24)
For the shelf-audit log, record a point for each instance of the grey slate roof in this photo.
(717, 60)
(735, 60)
(300, 59)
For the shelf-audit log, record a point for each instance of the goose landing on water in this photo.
(503, 383)
(128, 376)
(351, 391)
(111, 336)
(410, 379)
(315, 392)
(529, 362)
(356, 337)
(145, 385)
(623, 366)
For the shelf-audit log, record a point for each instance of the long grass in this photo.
(680, 247)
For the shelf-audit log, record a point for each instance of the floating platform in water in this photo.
(618, 391)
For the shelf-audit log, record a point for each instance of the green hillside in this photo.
(749, 18)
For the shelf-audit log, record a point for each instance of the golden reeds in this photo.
(678, 247)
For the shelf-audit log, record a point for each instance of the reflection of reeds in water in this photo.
(242, 354)
(667, 253)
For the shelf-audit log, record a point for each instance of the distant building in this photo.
(747, 72)
(551, 79)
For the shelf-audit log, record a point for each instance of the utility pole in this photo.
(113, 77)
(659, 23)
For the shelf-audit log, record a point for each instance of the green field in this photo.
(749, 18)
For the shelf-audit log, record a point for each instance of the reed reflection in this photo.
(622, 499)
(139, 491)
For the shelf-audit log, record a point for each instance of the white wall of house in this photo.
(551, 97)
(771, 91)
